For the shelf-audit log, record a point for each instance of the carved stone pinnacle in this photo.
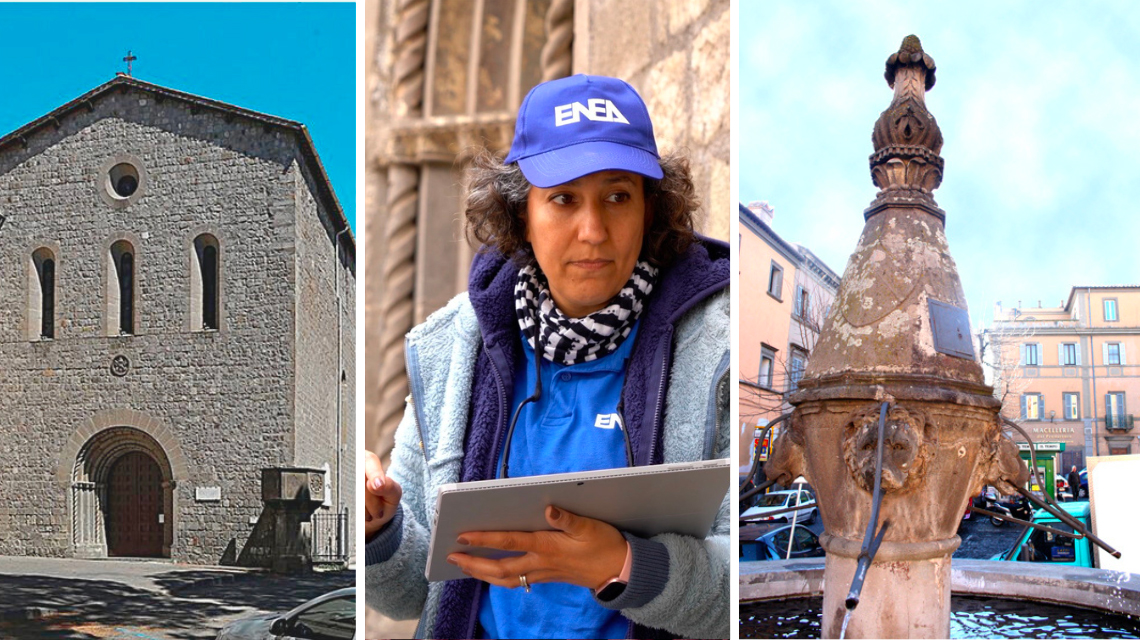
(910, 53)
(906, 166)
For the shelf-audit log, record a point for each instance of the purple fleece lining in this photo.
(694, 277)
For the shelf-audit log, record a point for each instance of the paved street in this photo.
(65, 598)
(981, 540)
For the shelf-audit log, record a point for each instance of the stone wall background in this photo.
(676, 54)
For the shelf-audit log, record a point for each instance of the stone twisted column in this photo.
(556, 52)
(398, 299)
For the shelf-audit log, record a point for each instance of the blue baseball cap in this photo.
(571, 127)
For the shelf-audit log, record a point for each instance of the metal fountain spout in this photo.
(893, 422)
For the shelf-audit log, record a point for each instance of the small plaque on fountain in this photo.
(951, 327)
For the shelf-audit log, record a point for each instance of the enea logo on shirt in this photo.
(607, 421)
(595, 109)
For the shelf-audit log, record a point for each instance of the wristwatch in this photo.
(615, 586)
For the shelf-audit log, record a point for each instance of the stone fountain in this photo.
(894, 377)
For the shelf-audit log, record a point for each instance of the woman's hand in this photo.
(583, 551)
(381, 495)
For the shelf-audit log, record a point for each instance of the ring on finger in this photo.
(523, 582)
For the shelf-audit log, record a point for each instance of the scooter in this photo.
(987, 500)
(998, 507)
(1018, 507)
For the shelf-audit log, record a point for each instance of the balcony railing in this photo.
(1118, 423)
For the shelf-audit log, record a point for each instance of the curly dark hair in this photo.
(497, 196)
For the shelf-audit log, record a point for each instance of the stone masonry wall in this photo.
(226, 396)
(317, 374)
(676, 54)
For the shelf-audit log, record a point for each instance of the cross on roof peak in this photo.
(129, 59)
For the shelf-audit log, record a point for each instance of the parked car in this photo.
(1036, 545)
(777, 500)
(774, 545)
(1084, 483)
(328, 617)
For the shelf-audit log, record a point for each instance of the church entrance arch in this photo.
(122, 496)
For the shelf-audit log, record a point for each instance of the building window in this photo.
(1110, 310)
(121, 289)
(766, 372)
(767, 366)
(204, 279)
(1031, 354)
(123, 179)
(1068, 355)
(800, 304)
(41, 303)
(776, 281)
(1113, 353)
(1072, 405)
(796, 367)
(1032, 404)
(1114, 415)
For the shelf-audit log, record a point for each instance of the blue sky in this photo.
(1039, 106)
(295, 61)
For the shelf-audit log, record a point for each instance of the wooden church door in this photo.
(134, 504)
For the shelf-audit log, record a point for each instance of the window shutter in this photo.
(1061, 353)
(1022, 362)
(1041, 407)
(1104, 352)
(1024, 410)
(1037, 352)
(1123, 360)
(1108, 408)
(797, 308)
(1078, 354)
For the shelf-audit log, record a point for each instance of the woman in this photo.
(588, 247)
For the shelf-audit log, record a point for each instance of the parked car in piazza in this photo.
(774, 545)
(1036, 545)
(328, 617)
(777, 500)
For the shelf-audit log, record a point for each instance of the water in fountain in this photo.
(970, 618)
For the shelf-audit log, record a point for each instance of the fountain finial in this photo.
(906, 166)
(910, 53)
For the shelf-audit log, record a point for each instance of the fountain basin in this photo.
(1095, 589)
(970, 617)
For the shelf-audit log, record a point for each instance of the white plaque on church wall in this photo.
(208, 494)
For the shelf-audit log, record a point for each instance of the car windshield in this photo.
(1046, 546)
(330, 620)
(773, 500)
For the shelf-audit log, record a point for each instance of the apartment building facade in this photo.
(1069, 374)
(785, 293)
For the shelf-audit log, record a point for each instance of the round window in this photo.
(124, 178)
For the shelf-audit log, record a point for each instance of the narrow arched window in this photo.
(205, 293)
(47, 287)
(121, 289)
(41, 303)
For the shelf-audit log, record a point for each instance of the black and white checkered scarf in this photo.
(567, 340)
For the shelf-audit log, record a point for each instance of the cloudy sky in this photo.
(1039, 106)
(294, 60)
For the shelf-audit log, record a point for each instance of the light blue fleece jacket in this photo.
(694, 601)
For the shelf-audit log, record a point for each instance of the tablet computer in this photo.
(680, 497)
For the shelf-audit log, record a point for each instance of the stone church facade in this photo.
(177, 335)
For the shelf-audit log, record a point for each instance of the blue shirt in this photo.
(573, 427)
